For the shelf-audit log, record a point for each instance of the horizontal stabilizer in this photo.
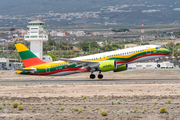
(27, 70)
(52, 56)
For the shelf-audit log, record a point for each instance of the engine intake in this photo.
(108, 65)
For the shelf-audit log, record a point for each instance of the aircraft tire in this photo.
(158, 65)
(100, 76)
(92, 76)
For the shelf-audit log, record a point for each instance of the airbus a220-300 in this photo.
(116, 61)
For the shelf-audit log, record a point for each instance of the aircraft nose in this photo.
(168, 51)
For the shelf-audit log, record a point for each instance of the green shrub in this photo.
(15, 104)
(136, 110)
(155, 102)
(9, 111)
(168, 102)
(7, 103)
(112, 103)
(118, 102)
(80, 110)
(103, 112)
(1, 107)
(163, 110)
(62, 108)
(84, 107)
(59, 103)
(51, 102)
(4, 103)
(20, 107)
(75, 109)
(20, 103)
(144, 109)
(122, 111)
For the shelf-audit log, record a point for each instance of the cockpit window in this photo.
(158, 47)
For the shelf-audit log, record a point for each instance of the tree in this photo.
(11, 46)
(94, 44)
(51, 42)
(115, 45)
(120, 30)
(84, 45)
(12, 29)
(170, 46)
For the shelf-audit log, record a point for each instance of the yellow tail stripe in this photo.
(21, 47)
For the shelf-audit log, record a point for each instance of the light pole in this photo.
(89, 48)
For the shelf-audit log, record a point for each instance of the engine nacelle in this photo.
(121, 68)
(107, 65)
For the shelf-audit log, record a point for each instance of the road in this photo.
(90, 81)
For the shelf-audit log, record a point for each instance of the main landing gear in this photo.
(92, 76)
(100, 76)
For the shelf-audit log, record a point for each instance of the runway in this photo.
(90, 81)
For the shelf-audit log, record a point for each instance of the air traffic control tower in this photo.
(36, 35)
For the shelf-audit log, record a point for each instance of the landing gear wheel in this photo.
(92, 76)
(158, 65)
(100, 76)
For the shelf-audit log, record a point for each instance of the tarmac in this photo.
(90, 81)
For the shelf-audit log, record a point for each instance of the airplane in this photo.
(116, 61)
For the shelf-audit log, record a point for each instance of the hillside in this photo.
(20, 7)
(89, 12)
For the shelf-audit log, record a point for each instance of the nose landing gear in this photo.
(158, 65)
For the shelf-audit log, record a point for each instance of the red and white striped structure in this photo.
(9, 34)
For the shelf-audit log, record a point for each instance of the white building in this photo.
(80, 33)
(60, 34)
(47, 59)
(150, 65)
(36, 35)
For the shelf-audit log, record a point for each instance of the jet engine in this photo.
(121, 68)
(108, 65)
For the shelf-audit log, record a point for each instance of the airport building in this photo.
(6, 64)
(151, 65)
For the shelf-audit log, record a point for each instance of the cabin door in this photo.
(148, 50)
(47, 67)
